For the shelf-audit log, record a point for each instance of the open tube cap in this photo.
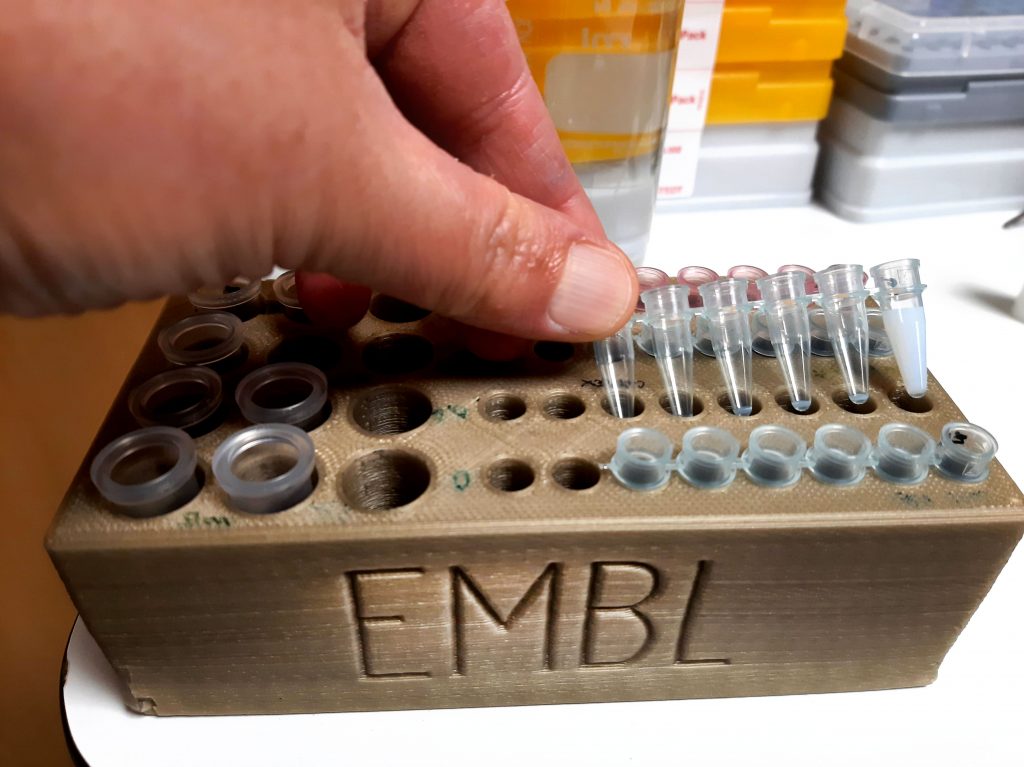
(709, 457)
(642, 459)
(181, 397)
(285, 392)
(774, 456)
(840, 454)
(202, 339)
(147, 472)
(265, 468)
(965, 452)
(237, 296)
(903, 454)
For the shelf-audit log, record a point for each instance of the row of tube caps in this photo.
(676, 318)
(777, 456)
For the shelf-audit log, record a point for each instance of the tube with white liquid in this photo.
(728, 315)
(843, 299)
(899, 296)
(616, 362)
(785, 314)
(668, 321)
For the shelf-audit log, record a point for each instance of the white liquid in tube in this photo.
(905, 327)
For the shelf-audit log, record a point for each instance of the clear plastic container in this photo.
(840, 455)
(903, 454)
(285, 392)
(774, 456)
(642, 459)
(965, 452)
(203, 339)
(241, 297)
(709, 458)
(147, 472)
(933, 38)
(266, 468)
(605, 72)
(184, 398)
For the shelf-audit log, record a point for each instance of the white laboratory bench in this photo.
(973, 714)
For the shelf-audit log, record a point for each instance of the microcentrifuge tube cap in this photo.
(774, 456)
(965, 452)
(642, 459)
(235, 296)
(202, 339)
(180, 397)
(840, 454)
(147, 472)
(709, 458)
(284, 392)
(903, 454)
(899, 297)
(265, 468)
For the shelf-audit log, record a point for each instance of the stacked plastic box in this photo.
(769, 88)
(928, 116)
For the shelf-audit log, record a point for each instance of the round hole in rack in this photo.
(510, 475)
(867, 407)
(391, 410)
(503, 407)
(385, 479)
(398, 353)
(576, 474)
(783, 400)
(564, 406)
(698, 406)
(726, 405)
(904, 401)
(554, 351)
(321, 353)
(638, 407)
(395, 310)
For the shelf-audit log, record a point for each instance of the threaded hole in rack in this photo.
(503, 407)
(783, 400)
(867, 407)
(726, 405)
(576, 474)
(564, 407)
(698, 406)
(510, 475)
(398, 353)
(385, 479)
(391, 410)
(145, 464)
(638, 407)
(392, 309)
(321, 353)
(554, 351)
(904, 401)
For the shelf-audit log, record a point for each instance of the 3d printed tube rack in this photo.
(438, 532)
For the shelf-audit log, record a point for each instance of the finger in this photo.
(495, 347)
(457, 71)
(330, 302)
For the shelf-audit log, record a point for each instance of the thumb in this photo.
(428, 229)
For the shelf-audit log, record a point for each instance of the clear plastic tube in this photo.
(709, 458)
(693, 277)
(760, 339)
(774, 456)
(903, 454)
(840, 455)
(728, 315)
(642, 459)
(899, 296)
(649, 278)
(965, 452)
(266, 468)
(810, 286)
(843, 299)
(147, 472)
(240, 296)
(668, 319)
(285, 392)
(616, 364)
(785, 313)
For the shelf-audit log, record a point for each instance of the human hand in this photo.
(151, 146)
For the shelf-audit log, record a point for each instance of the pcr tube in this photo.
(878, 339)
(240, 296)
(785, 313)
(840, 455)
(903, 454)
(899, 295)
(265, 468)
(810, 286)
(965, 452)
(288, 297)
(616, 366)
(709, 457)
(727, 312)
(693, 277)
(147, 472)
(642, 459)
(760, 340)
(649, 279)
(202, 339)
(842, 298)
(181, 397)
(285, 392)
(668, 320)
(774, 456)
